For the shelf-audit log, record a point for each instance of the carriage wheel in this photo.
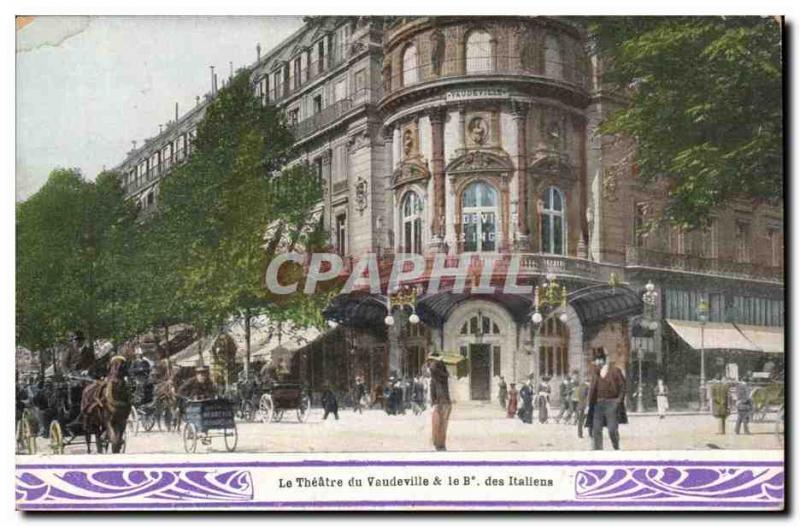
(56, 438)
(190, 438)
(231, 438)
(277, 416)
(148, 421)
(304, 409)
(266, 408)
(28, 434)
(133, 420)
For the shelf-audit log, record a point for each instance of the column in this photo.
(437, 166)
(389, 214)
(519, 111)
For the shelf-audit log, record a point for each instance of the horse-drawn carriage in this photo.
(207, 419)
(767, 395)
(281, 397)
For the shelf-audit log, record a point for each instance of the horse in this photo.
(167, 406)
(765, 396)
(105, 406)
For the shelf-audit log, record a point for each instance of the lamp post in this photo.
(548, 297)
(648, 322)
(702, 317)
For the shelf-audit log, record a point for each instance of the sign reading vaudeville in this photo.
(476, 93)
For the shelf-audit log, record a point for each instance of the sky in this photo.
(88, 86)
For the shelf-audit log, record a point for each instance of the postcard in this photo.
(400, 263)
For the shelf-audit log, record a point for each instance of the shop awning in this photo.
(712, 335)
(767, 339)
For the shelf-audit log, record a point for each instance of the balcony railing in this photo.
(489, 65)
(651, 258)
(333, 112)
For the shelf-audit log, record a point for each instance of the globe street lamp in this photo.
(702, 317)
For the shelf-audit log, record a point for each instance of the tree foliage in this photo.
(704, 106)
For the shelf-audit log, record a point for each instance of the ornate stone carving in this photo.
(478, 131)
(551, 164)
(610, 185)
(437, 51)
(361, 199)
(409, 142)
(481, 161)
(409, 172)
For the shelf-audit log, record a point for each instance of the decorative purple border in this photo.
(229, 485)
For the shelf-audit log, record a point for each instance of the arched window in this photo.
(479, 217)
(480, 324)
(410, 65)
(412, 223)
(479, 52)
(553, 63)
(552, 221)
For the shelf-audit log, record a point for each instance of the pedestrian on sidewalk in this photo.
(511, 408)
(564, 389)
(329, 403)
(418, 395)
(526, 395)
(720, 401)
(543, 400)
(581, 396)
(502, 392)
(440, 399)
(360, 398)
(662, 402)
(606, 401)
(744, 407)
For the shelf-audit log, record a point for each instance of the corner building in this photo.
(477, 135)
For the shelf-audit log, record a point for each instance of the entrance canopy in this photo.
(603, 303)
(712, 336)
(767, 339)
(359, 310)
(434, 310)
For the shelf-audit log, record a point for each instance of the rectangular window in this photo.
(341, 234)
(321, 55)
(294, 117)
(639, 218)
(742, 240)
(297, 73)
(496, 364)
(774, 247)
(317, 104)
(340, 90)
(360, 80)
(276, 85)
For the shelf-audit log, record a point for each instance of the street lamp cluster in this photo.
(402, 299)
(648, 322)
(549, 295)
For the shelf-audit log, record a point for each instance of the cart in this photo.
(282, 397)
(208, 419)
(767, 396)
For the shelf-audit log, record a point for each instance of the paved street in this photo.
(473, 427)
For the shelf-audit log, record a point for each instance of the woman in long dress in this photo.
(543, 400)
(512, 401)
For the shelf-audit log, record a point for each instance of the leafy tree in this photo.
(71, 270)
(703, 106)
(216, 209)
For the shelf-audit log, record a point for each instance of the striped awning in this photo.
(711, 335)
(767, 339)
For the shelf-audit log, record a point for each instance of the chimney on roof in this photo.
(213, 81)
(176, 112)
(258, 51)
(134, 145)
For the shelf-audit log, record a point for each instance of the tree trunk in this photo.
(247, 343)
(166, 347)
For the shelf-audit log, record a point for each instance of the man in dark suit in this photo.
(606, 401)
(329, 403)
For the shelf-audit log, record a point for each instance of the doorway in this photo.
(480, 371)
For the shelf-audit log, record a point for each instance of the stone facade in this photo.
(486, 127)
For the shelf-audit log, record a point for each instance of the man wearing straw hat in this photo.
(440, 399)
